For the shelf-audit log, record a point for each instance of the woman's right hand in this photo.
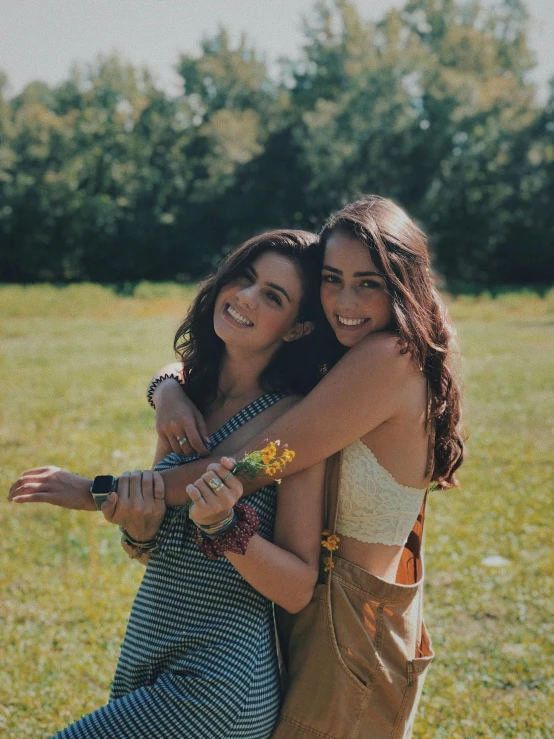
(178, 417)
(208, 505)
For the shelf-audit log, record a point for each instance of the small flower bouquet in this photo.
(266, 461)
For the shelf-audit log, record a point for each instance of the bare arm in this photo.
(176, 415)
(366, 388)
(286, 571)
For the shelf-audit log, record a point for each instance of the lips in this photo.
(237, 316)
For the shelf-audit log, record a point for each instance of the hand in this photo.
(210, 506)
(55, 486)
(138, 505)
(178, 417)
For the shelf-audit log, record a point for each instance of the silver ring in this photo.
(215, 483)
(227, 476)
(182, 441)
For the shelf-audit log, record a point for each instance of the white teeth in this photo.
(351, 321)
(237, 316)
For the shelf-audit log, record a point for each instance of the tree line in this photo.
(107, 177)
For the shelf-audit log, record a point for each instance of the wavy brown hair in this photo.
(296, 366)
(398, 247)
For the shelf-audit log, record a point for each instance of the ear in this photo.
(299, 331)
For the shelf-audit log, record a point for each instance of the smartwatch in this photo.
(101, 487)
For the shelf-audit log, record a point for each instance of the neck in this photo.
(239, 377)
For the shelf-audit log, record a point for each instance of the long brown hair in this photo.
(398, 247)
(296, 366)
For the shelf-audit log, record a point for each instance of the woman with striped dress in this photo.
(198, 659)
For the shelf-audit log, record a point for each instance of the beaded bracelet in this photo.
(235, 539)
(158, 381)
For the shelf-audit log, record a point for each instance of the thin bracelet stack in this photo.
(158, 381)
(139, 547)
(233, 534)
(216, 529)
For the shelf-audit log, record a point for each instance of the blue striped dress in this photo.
(198, 660)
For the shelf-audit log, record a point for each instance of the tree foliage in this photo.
(108, 178)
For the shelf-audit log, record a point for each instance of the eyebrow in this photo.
(272, 284)
(356, 274)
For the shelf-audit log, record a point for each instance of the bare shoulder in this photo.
(380, 352)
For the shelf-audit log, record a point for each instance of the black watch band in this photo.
(101, 488)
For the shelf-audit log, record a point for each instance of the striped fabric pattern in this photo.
(198, 660)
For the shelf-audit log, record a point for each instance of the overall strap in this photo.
(243, 416)
(331, 495)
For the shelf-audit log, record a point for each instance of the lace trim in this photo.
(374, 508)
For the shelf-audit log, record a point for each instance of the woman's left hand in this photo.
(55, 486)
(209, 505)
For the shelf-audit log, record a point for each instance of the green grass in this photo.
(74, 366)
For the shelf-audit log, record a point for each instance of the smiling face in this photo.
(259, 308)
(353, 292)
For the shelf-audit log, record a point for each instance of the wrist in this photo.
(219, 524)
(89, 504)
(163, 384)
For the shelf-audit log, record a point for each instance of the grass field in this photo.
(74, 367)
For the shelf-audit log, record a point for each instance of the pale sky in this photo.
(39, 39)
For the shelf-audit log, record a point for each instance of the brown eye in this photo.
(274, 297)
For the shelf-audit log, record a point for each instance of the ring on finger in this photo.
(227, 476)
(215, 484)
(182, 441)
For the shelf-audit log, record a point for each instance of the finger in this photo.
(211, 478)
(195, 441)
(228, 462)
(194, 494)
(25, 479)
(135, 486)
(148, 486)
(123, 487)
(184, 448)
(202, 427)
(33, 498)
(207, 493)
(226, 476)
(39, 470)
(109, 506)
(172, 436)
(25, 488)
(159, 487)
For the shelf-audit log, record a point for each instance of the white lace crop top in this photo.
(373, 507)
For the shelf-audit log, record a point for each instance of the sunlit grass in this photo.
(74, 367)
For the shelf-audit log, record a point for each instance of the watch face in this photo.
(102, 484)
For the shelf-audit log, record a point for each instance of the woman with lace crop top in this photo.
(391, 401)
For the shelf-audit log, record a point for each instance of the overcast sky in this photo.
(39, 39)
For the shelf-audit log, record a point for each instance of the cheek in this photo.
(327, 297)
(273, 323)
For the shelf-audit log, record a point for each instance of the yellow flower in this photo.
(288, 455)
(331, 543)
(329, 564)
(269, 452)
(326, 532)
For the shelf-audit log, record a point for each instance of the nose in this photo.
(247, 296)
(347, 299)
